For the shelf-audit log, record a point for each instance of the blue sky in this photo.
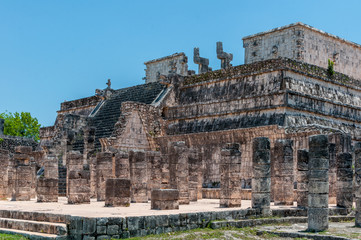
(53, 50)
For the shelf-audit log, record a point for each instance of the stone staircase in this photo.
(34, 226)
(109, 113)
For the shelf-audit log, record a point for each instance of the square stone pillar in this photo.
(231, 186)
(357, 155)
(165, 199)
(74, 162)
(23, 174)
(47, 188)
(302, 178)
(153, 160)
(138, 176)
(344, 181)
(283, 172)
(117, 192)
(195, 173)
(78, 186)
(179, 170)
(121, 165)
(318, 185)
(104, 170)
(4, 165)
(261, 181)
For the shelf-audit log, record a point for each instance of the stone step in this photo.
(33, 216)
(33, 235)
(58, 229)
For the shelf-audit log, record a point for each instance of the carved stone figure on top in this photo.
(226, 58)
(202, 62)
(105, 93)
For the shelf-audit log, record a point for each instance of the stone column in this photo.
(283, 172)
(153, 160)
(302, 178)
(231, 187)
(179, 170)
(74, 162)
(121, 165)
(138, 176)
(338, 143)
(117, 192)
(318, 185)
(261, 181)
(344, 181)
(47, 185)
(78, 186)
(194, 162)
(4, 164)
(104, 171)
(357, 154)
(23, 174)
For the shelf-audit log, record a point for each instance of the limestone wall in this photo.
(302, 42)
(163, 66)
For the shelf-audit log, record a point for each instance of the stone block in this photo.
(318, 187)
(318, 200)
(112, 229)
(117, 192)
(320, 163)
(165, 199)
(261, 185)
(317, 219)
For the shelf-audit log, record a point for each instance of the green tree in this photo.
(20, 124)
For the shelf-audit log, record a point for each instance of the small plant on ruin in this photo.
(330, 70)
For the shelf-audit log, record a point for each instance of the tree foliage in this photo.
(20, 124)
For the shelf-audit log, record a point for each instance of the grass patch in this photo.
(11, 237)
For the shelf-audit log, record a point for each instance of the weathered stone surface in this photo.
(179, 170)
(117, 192)
(302, 178)
(318, 185)
(344, 180)
(165, 199)
(78, 187)
(4, 164)
(138, 176)
(261, 187)
(231, 188)
(357, 160)
(47, 189)
(104, 171)
(282, 180)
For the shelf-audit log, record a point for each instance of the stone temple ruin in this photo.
(281, 128)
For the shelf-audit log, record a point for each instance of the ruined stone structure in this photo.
(236, 133)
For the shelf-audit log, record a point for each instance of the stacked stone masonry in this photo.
(344, 180)
(117, 192)
(104, 170)
(165, 199)
(282, 180)
(318, 184)
(179, 170)
(138, 176)
(302, 178)
(357, 152)
(231, 188)
(261, 181)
